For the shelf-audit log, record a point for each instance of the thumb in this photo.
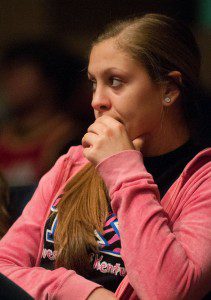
(138, 143)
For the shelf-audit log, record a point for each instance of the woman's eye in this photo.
(93, 85)
(116, 82)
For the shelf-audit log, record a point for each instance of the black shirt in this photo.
(166, 168)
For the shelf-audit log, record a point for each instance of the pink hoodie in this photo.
(166, 248)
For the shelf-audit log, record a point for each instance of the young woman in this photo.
(142, 176)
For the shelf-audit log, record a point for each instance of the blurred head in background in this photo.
(47, 107)
(39, 73)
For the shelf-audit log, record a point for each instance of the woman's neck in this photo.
(169, 136)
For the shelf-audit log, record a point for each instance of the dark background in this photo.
(76, 22)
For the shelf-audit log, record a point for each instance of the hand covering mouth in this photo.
(114, 117)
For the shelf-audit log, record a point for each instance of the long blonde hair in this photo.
(162, 45)
(83, 209)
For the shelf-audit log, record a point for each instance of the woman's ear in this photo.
(172, 90)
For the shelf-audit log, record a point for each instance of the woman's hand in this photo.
(105, 137)
(101, 294)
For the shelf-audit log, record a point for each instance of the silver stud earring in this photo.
(167, 100)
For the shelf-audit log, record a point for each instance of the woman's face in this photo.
(123, 90)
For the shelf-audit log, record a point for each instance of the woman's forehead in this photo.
(107, 55)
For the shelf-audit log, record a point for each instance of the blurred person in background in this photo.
(4, 200)
(39, 80)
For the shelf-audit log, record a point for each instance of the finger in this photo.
(112, 125)
(138, 143)
(97, 128)
(88, 139)
(108, 121)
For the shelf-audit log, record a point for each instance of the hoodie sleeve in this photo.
(165, 259)
(20, 247)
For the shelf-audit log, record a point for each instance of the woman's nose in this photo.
(100, 101)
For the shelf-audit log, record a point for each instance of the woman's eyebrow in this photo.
(108, 70)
